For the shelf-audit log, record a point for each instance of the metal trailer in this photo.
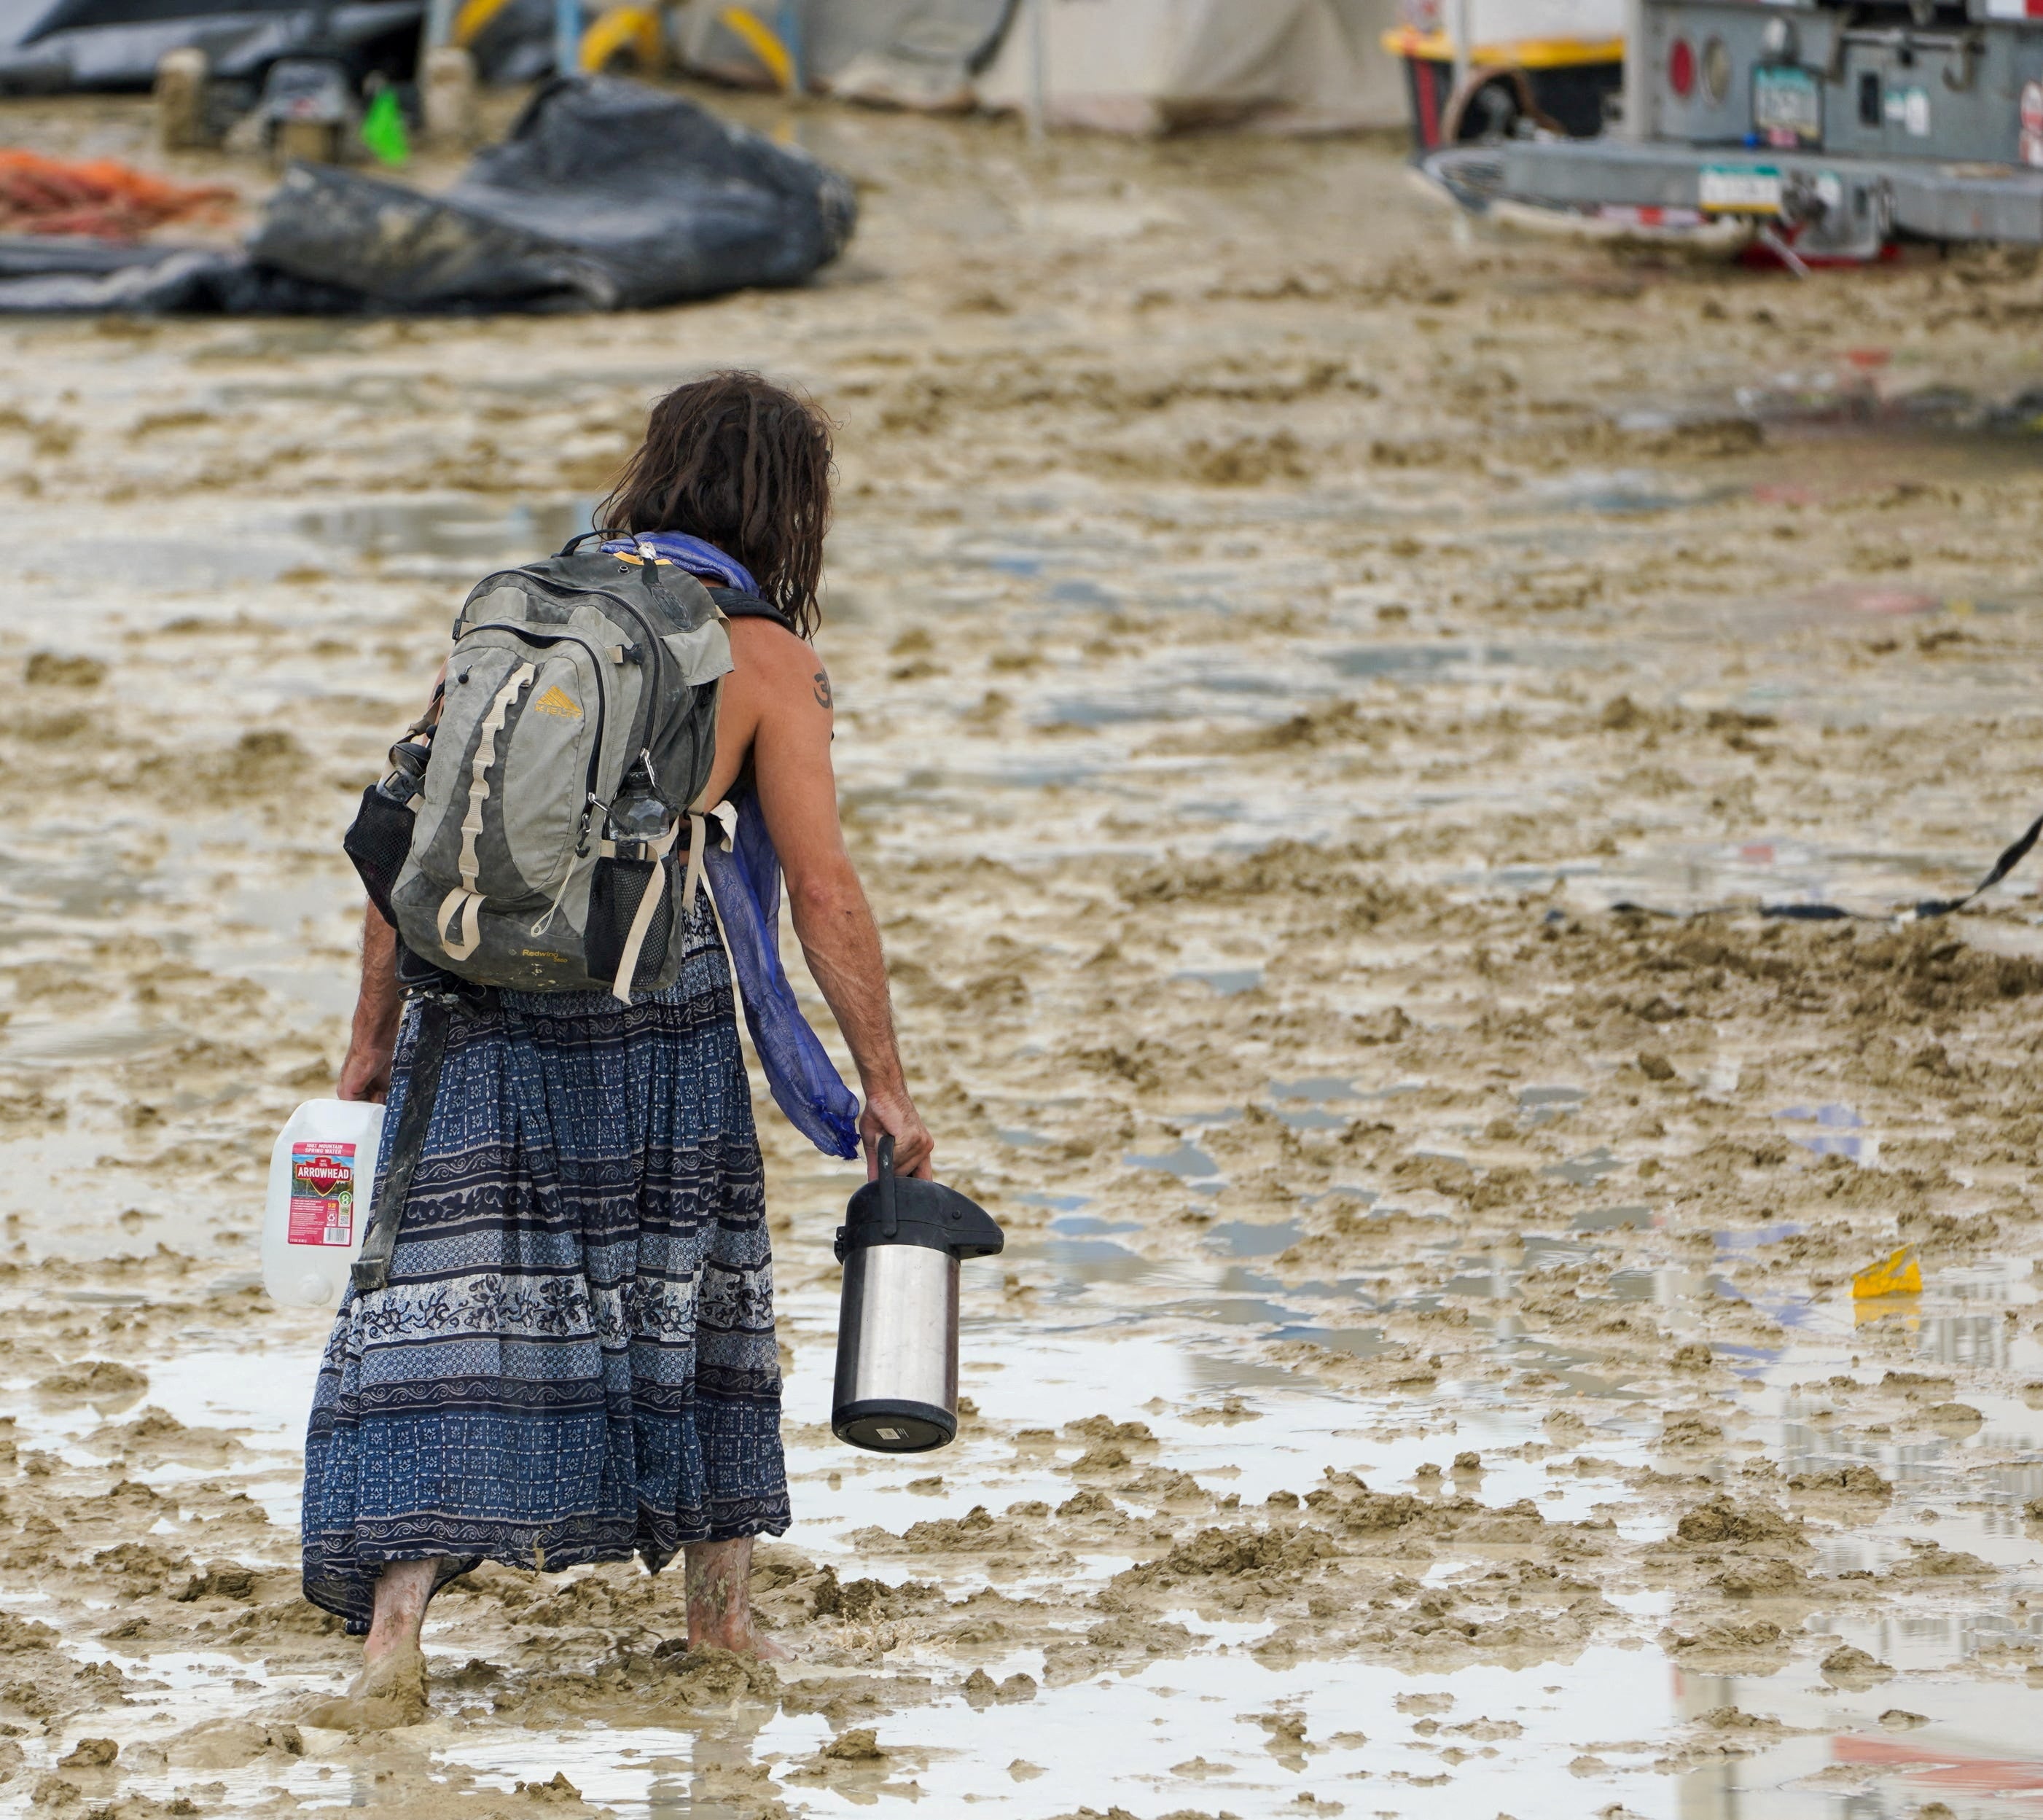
(1833, 127)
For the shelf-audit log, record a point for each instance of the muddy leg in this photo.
(391, 1689)
(401, 1610)
(719, 1601)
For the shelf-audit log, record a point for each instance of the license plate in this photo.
(1739, 189)
(1787, 106)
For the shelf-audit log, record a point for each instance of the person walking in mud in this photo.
(573, 1359)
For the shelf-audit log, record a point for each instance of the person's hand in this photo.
(894, 1115)
(365, 1074)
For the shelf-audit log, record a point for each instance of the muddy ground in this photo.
(1273, 627)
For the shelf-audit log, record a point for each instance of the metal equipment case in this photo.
(1839, 126)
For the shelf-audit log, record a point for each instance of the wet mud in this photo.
(1274, 628)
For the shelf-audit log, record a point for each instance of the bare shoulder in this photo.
(780, 667)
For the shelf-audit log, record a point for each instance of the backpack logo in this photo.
(559, 704)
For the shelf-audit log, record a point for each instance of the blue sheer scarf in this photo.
(704, 561)
(744, 881)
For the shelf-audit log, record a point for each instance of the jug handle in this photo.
(890, 1216)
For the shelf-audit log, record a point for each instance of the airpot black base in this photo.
(883, 1425)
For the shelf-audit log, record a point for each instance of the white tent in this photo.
(1126, 66)
(907, 53)
(910, 53)
(1151, 66)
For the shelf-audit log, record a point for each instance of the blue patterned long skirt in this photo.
(574, 1360)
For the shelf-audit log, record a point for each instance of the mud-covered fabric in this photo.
(575, 1359)
(607, 194)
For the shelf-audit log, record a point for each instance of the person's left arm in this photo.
(780, 707)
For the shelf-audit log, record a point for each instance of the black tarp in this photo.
(607, 195)
(50, 45)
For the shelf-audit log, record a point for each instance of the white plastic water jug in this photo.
(322, 1186)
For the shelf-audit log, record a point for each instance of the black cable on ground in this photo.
(1921, 912)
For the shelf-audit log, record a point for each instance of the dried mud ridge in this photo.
(1260, 624)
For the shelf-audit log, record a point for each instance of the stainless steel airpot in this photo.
(897, 1337)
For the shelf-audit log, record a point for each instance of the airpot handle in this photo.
(890, 1209)
(896, 1210)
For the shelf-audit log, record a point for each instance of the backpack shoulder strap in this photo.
(735, 604)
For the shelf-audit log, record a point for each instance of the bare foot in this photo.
(750, 1641)
(719, 1576)
(390, 1692)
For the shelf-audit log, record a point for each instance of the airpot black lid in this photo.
(903, 1210)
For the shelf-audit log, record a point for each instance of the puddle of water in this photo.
(1540, 1105)
(1679, 875)
(1623, 493)
(1018, 563)
(1189, 1336)
(1241, 1238)
(1099, 1262)
(475, 531)
(1226, 981)
(1164, 1734)
(1056, 1203)
(1312, 1118)
(1841, 1133)
(1086, 1226)
(1187, 1160)
(1614, 1219)
(1837, 1117)
(1318, 1088)
(60, 882)
(256, 927)
(1752, 1238)
(1425, 661)
(1558, 1747)
(1585, 1171)
(62, 1040)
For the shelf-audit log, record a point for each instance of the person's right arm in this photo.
(366, 1073)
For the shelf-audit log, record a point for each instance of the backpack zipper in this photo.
(591, 802)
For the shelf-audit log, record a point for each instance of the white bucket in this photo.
(322, 1186)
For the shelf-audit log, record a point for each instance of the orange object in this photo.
(96, 196)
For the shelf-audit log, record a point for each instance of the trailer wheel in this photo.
(1489, 107)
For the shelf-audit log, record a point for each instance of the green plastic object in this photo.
(383, 129)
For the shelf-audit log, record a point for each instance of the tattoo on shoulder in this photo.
(824, 698)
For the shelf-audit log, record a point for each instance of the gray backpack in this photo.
(575, 737)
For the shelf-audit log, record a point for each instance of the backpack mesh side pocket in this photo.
(616, 888)
(379, 840)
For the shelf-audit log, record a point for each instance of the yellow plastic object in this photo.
(635, 29)
(764, 42)
(1901, 1275)
(473, 17)
(1526, 53)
